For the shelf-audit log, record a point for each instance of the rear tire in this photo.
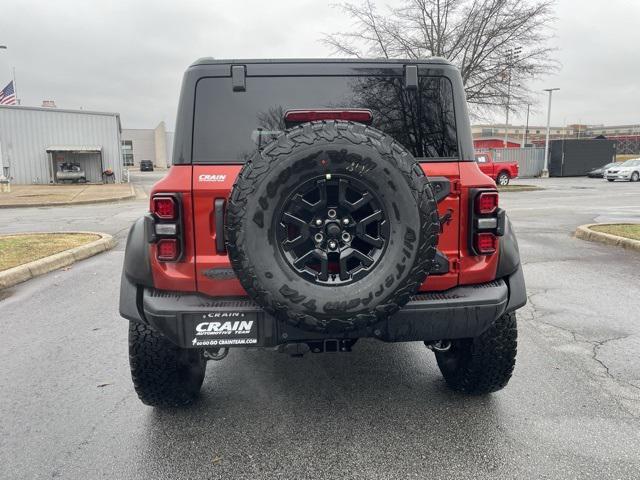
(163, 374)
(635, 177)
(503, 179)
(610, 179)
(483, 364)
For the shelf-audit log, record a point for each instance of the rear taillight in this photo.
(165, 208)
(486, 221)
(168, 250)
(167, 227)
(486, 203)
(361, 115)
(485, 243)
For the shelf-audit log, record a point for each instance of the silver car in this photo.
(629, 170)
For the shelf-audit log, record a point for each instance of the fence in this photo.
(626, 144)
(530, 160)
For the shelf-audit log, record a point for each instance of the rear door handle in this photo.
(218, 215)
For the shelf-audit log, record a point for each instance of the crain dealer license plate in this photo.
(222, 329)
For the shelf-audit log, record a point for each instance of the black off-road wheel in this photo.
(164, 375)
(332, 226)
(483, 364)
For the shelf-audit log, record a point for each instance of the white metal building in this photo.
(35, 142)
(147, 144)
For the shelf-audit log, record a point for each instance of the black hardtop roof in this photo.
(395, 61)
(210, 67)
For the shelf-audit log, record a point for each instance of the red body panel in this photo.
(200, 185)
(493, 169)
(205, 192)
(449, 240)
(177, 275)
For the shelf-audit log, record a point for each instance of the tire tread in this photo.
(253, 173)
(485, 363)
(158, 370)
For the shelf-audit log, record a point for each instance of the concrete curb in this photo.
(524, 188)
(22, 273)
(129, 196)
(584, 232)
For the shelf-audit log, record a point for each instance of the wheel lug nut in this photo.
(345, 221)
(332, 213)
(318, 237)
(346, 237)
(333, 245)
(318, 222)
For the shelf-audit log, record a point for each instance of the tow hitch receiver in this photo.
(331, 345)
(299, 349)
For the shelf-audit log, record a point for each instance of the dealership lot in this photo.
(572, 409)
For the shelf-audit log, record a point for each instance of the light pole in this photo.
(511, 55)
(526, 129)
(545, 170)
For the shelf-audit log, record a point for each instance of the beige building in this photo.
(538, 133)
(147, 144)
(632, 129)
(534, 133)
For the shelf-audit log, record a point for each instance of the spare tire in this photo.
(332, 226)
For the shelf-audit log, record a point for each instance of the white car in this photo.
(629, 170)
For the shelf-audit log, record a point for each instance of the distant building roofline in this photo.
(544, 127)
(61, 110)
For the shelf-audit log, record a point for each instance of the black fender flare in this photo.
(136, 270)
(510, 268)
(509, 254)
(517, 290)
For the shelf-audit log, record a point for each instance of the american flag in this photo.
(8, 95)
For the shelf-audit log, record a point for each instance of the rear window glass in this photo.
(229, 126)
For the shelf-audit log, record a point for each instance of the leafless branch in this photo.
(475, 35)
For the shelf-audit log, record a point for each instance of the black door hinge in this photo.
(456, 189)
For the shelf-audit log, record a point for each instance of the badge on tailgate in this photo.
(224, 329)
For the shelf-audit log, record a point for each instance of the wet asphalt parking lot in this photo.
(572, 409)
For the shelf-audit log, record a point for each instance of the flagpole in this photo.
(15, 86)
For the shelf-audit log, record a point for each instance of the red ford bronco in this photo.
(312, 203)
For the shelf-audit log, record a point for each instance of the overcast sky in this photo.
(128, 56)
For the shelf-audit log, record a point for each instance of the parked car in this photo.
(288, 225)
(629, 170)
(599, 172)
(71, 172)
(146, 166)
(501, 172)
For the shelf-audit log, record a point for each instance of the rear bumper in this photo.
(461, 312)
(618, 176)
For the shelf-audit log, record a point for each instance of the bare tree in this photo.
(499, 45)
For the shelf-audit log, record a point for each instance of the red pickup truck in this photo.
(501, 172)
